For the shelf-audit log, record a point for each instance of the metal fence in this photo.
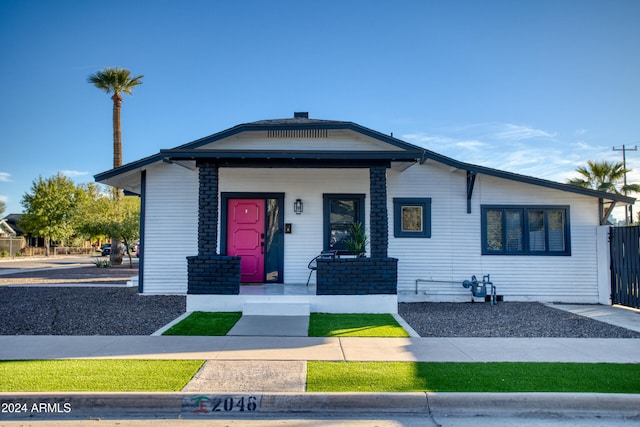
(10, 246)
(17, 247)
(625, 265)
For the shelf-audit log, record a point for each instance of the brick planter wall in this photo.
(357, 276)
(213, 274)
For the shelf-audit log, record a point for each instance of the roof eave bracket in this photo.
(604, 215)
(471, 182)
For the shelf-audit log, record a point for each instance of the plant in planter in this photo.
(357, 243)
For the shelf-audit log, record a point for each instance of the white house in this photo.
(255, 203)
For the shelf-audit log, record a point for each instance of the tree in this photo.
(120, 220)
(50, 208)
(604, 176)
(3, 206)
(116, 81)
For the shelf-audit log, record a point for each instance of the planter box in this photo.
(213, 274)
(357, 276)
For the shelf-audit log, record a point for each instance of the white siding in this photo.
(309, 185)
(171, 227)
(453, 253)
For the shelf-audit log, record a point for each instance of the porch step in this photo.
(275, 309)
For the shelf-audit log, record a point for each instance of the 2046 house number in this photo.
(213, 404)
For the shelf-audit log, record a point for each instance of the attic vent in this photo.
(297, 133)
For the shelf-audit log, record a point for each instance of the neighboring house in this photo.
(12, 222)
(11, 235)
(6, 230)
(255, 203)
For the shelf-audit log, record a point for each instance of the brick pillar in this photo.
(379, 219)
(208, 210)
(208, 272)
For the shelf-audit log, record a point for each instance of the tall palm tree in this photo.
(603, 176)
(116, 81)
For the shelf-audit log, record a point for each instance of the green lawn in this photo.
(354, 325)
(96, 375)
(320, 325)
(108, 375)
(200, 323)
(472, 377)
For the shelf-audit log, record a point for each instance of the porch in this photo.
(283, 295)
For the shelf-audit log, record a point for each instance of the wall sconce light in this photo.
(297, 206)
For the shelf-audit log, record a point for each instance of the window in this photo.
(525, 230)
(411, 217)
(341, 211)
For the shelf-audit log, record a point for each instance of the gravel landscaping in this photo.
(84, 311)
(37, 309)
(505, 319)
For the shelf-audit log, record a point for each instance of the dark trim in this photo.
(224, 201)
(326, 199)
(289, 155)
(296, 163)
(398, 203)
(143, 213)
(128, 167)
(525, 230)
(471, 181)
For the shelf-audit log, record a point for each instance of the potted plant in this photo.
(357, 243)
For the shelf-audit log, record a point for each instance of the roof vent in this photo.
(301, 115)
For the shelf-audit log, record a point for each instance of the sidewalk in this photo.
(267, 374)
(579, 350)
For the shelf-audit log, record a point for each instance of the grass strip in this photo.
(96, 375)
(201, 323)
(472, 377)
(354, 325)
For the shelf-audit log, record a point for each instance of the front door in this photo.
(245, 237)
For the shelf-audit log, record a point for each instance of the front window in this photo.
(525, 230)
(411, 217)
(341, 211)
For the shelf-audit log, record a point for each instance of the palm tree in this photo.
(603, 176)
(116, 81)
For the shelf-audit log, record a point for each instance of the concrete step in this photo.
(275, 309)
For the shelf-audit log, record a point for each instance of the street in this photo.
(372, 420)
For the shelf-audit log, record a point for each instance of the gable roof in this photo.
(404, 152)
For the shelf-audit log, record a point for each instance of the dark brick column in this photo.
(208, 210)
(379, 219)
(208, 272)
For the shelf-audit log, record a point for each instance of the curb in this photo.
(50, 406)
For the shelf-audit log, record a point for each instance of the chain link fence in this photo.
(16, 247)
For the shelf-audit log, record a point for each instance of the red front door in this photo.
(245, 237)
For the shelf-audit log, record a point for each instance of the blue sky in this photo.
(535, 87)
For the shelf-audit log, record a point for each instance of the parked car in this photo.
(106, 249)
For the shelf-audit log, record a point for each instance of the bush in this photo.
(105, 263)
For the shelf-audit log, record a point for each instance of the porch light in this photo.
(297, 206)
